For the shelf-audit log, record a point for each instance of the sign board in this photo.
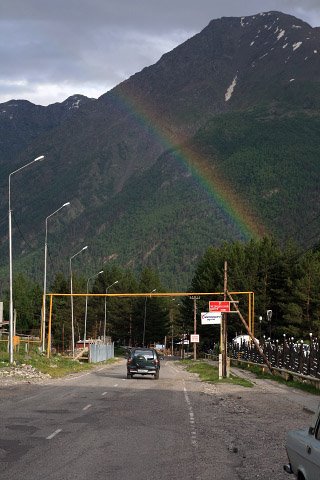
(222, 306)
(211, 318)
(194, 338)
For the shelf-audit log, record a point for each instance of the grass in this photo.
(56, 366)
(301, 385)
(210, 373)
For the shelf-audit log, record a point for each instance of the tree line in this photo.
(284, 279)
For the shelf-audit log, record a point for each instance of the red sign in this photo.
(219, 306)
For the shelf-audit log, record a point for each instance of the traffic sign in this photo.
(216, 306)
(211, 318)
(194, 338)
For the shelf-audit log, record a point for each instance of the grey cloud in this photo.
(98, 43)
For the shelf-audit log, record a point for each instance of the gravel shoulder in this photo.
(14, 375)
(252, 423)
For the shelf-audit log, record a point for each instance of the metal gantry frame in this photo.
(156, 294)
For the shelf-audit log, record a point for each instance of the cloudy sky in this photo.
(51, 49)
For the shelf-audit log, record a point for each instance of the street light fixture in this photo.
(105, 311)
(45, 277)
(71, 291)
(86, 311)
(38, 159)
(145, 317)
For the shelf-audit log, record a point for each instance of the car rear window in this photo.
(147, 354)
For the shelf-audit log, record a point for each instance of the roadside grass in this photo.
(301, 385)
(210, 373)
(56, 366)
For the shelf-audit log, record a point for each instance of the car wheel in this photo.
(129, 375)
(156, 376)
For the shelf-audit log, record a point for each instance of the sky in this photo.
(51, 49)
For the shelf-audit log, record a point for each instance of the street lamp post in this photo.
(105, 311)
(145, 317)
(86, 310)
(10, 261)
(71, 291)
(45, 276)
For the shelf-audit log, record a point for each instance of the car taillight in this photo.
(156, 362)
(129, 360)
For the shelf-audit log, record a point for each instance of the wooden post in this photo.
(195, 298)
(224, 337)
(250, 334)
(49, 328)
(194, 327)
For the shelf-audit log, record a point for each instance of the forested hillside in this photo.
(216, 142)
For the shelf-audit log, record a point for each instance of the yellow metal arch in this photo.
(155, 294)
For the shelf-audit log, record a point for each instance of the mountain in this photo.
(217, 141)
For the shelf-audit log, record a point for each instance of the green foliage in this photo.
(269, 156)
(27, 301)
(284, 280)
(122, 318)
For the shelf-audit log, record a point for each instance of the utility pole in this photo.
(223, 349)
(195, 298)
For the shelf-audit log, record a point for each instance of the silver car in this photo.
(303, 450)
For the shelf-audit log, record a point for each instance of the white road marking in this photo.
(87, 406)
(193, 432)
(54, 434)
(115, 385)
(104, 393)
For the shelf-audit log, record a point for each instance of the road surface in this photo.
(100, 425)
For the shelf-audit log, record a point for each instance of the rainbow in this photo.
(209, 177)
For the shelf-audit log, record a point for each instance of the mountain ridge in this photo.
(207, 96)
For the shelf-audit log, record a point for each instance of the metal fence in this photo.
(295, 357)
(99, 352)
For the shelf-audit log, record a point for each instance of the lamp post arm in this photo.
(27, 165)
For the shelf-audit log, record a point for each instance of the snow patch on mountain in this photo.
(296, 45)
(281, 34)
(230, 89)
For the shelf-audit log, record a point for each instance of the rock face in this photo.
(115, 158)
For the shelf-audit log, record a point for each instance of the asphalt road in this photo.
(100, 425)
